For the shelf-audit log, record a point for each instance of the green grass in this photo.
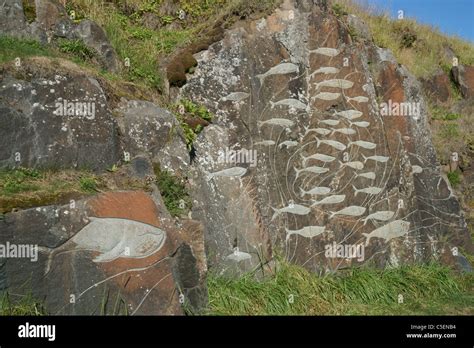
(454, 178)
(187, 108)
(23, 188)
(76, 48)
(429, 289)
(26, 305)
(88, 184)
(173, 191)
(11, 48)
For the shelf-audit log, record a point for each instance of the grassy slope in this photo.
(421, 48)
(429, 289)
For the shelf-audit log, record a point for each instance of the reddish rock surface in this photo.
(119, 256)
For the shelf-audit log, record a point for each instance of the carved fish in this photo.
(280, 69)
(349, 114)
(114, 238)
(326, 51)
(330, 122)
(416, 169)
(368, 175)
(236, 96)
(318, 190)
(355, 165)
(384, 215)
(330, 200)
(265, 142)
(360, 99)
(319, 157)
(313, 169)
(382, 159)
(325, 70)
(352, 210)
(368, 190)
(346, 131)
(292, 209)
(291, 102)
(288, 144)
(326, 96)
(335, 144)
(364, 144)
(361, 124)
(239, 256)
(277, 122)
(307, 232)
(389, 231)
(336, 83)
(229, 172)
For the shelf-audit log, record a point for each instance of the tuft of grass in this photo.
(26, 305)
(88, 184)
(454, 178)
(173, 190)
(29, 8)
(292, 290)
(77, 48)
(449, 130)
(339, 10)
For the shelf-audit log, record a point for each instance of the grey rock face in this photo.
(58, 121)
(12, 18)
(94, 37)
(154, 131)
(332, 166)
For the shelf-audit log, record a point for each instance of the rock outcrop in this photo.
(110, 254)
(52, 21)
(320, 143)
(55, 120)
(463, 76)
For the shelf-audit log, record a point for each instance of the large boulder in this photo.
(463, 76)
(95, 38)
(153, 131)
(109, 254)
(55, 117)
(438, 87)
(12, 18)
(309, 156)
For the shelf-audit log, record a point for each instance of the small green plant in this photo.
(188, 109)
(339, 11)
(449, 130)
(88, 184)
(140, 33)
(112, 169)
(353, 32)
(454, 178)
(173, 191)
(29, 10)
(27, 305)
(452, 116)
(167, 19)
(18, 180)
(76, 48)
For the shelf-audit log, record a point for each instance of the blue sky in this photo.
(450, 16)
